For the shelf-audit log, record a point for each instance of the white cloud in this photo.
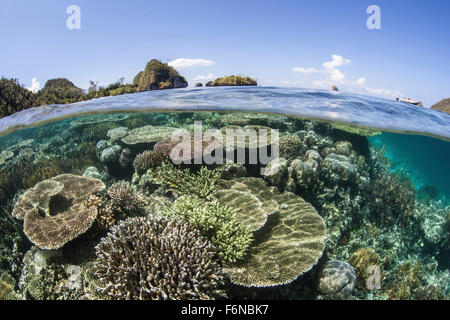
(336, 62)
(205, 78)
(305, 70)
(380, 92)
(35, 85)
(336, 75)
(186, 63)
(361, 81)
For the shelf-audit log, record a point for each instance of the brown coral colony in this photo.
(55, 211)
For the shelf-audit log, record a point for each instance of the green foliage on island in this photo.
(14, 97)
(232, 81)
(158, 75)
(59, 91)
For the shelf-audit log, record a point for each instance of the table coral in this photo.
(291, 244)
(54, 211)
(147, 135)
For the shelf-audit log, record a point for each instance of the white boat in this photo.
(414, 102)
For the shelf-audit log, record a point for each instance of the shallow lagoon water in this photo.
(376, 199)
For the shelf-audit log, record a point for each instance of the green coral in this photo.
(216, 222)
(202, 184)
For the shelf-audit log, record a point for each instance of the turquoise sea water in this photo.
(359, 190)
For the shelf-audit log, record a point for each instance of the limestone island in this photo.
(232, 81)
(158, 75)
(443, 105)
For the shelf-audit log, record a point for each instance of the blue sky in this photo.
(311, 44)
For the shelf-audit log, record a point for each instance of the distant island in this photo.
(443, 105)
(15, 97)
(156, 75)
(232, 81)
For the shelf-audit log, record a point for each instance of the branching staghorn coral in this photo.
(216, 222)
(202, 184)
(144, 259)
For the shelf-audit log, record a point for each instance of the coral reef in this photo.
(433, 217)
(54, 211)
(106, 216)
(356, 130)
(42, 170)
(408, 278)
(303, 226)
(196, 149)
(183, 181)
(391, 199)
(142, 259)
(125, 157)
(117, 133)
(99, 118)
(147, 135)
(216, 222)
(125, 197)
(291, 244)
(251, 200)
(290, 146)
(7, 284)
(248, 137)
